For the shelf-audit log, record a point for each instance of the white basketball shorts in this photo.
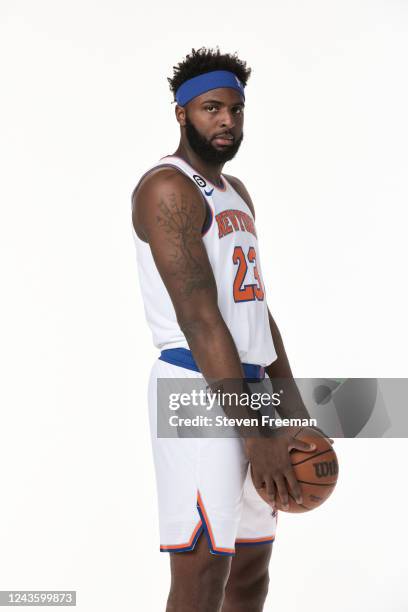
(204, 486)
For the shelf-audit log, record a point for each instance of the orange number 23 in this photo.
(242, 292)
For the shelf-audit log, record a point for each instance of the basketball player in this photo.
(201, 280)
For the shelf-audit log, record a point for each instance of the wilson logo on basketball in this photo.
(326, 468)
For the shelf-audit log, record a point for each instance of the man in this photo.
(201, 280)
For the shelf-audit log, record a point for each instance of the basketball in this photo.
(316, 472)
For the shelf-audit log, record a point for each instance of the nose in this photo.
(227, 119)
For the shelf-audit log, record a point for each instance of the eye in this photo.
(211, 108)
(238, 110)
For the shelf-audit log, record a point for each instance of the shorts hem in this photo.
(188, 545)
(177, 548)
(215, 550)
(203, 526)
(254, 541)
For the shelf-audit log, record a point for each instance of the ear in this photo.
(180, 115)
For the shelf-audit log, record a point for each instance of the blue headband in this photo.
(204, 82)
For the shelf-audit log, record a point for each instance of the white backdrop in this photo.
(85, 108)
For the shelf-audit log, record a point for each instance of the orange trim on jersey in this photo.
(253, 540)
(224, 188)
(186, 544)
(208, 525)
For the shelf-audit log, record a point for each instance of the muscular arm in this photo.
(292, 405)
(169, 212)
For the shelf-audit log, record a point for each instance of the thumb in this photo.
(306, 447)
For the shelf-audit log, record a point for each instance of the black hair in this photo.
(203, 60)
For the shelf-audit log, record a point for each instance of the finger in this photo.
(306, 447)
(257, 480)
(294, 485)
(282, 490)
(270, 491)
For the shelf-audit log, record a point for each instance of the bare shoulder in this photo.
(168, 214)
(165, 190)
(239, 186)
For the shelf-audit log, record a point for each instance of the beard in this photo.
(205, 150)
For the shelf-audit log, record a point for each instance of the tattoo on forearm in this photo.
(177, 218)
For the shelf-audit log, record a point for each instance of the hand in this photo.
(271, 464)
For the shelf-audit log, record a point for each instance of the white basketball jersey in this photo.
(232, 246)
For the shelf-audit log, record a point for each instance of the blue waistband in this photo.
(183, 358)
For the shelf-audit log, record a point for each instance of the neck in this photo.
(210, 171)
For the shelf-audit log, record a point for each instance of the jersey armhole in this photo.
(209, 218)
(238, 194)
